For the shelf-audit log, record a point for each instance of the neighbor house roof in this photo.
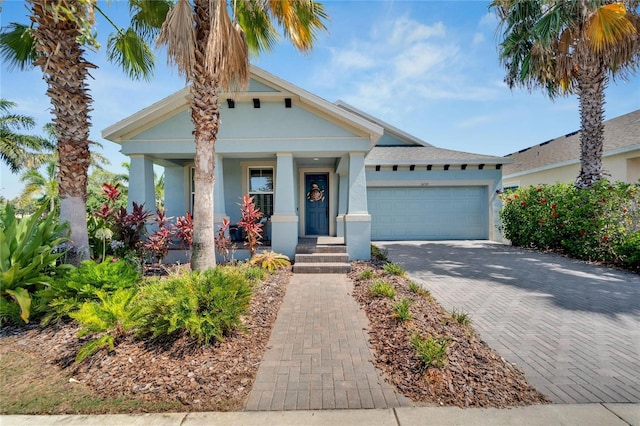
(621, 134)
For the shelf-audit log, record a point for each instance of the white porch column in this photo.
(176, 191)
(357, 220)
(284, 222)
(343, 192)
(219, 208)
(141, 185)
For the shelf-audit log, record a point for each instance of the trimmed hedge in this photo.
(597, 224)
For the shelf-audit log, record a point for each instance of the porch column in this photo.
(141, 185)
(175, 191)
(357, 221)
(284, 222)
(219, 208)
(343, 191)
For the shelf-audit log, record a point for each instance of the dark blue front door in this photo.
(316, 203)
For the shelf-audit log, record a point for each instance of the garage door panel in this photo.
(428, 213)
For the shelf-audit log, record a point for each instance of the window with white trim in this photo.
(260, 180)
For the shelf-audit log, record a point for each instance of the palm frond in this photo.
(131, 53)
(17, 46)
(260, 33)
(609, 25)
(227, 51)
(178, 34)
(147, 16)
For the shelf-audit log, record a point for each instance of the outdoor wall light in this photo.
(231, 103)
(287, 102)
(256, 103)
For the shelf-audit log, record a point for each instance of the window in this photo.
(261, 188)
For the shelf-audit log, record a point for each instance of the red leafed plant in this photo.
(158, 242)
(184, 230)
(250, 221)
(221, 240)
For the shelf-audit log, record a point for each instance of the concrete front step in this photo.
(322, 258)
(302, 249)
(321, 268)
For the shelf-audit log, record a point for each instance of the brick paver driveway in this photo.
(574, 328)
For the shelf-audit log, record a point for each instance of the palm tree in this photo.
(18, 150)
(55, 42)
(43, 186)
(212, 52)
(571, 46)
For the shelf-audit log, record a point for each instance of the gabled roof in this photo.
(388, 128)
(179, 102)
(621, 134)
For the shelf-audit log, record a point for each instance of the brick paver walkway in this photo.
(574, 328)
(318, 356)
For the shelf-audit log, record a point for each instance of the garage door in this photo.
(435, 213)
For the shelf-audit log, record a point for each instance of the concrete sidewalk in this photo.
(541, 415)
(318, 355)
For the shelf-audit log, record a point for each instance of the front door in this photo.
(316, 203)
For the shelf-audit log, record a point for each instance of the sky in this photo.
(427, 67)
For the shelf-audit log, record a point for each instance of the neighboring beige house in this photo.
(558, 160)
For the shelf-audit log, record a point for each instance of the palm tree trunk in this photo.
(205, 115)
(592, 81)
(65, 70)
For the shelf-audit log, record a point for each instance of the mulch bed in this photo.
(474, 375)
(215, 378)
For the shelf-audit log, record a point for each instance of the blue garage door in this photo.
(434, 213)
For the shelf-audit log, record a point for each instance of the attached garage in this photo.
(429, 213)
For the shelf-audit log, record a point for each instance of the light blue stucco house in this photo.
(316, 168)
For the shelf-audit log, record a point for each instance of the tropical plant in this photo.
(367, 274)
(270, 261)
(18, 150)
(571, 46)
(110, 318)
(55, 42)
(158, 243)
(205, 305)
(83, 284)
(249, 221)
(212, 53)
(221, 241)
(29, 249)
(45, 187)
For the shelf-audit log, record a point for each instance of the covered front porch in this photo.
(301, 196)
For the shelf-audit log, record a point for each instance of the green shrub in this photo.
(589, 224)
(394, 269)
(379, 254)
(253, 274)
(367, 274)
(460, 317)
(28, 259)
(402, 310)
(382, 289)
(206, 305)
(270, 261)
(84, 283)
(629, 251)
(432, 351)
(111, 317)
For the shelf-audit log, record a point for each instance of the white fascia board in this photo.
(392, 130)
(148, 116)
(474, 161)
